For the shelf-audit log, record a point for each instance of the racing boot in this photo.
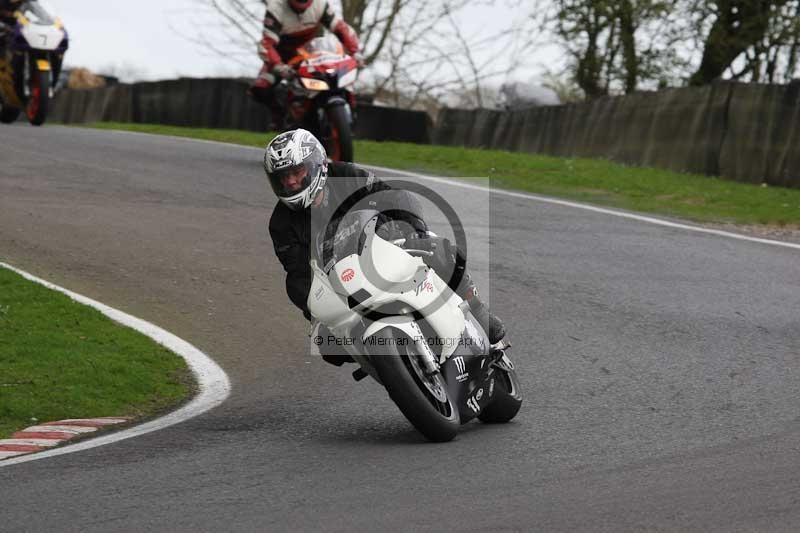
(331, 352)
(337, 359)
(494, 327)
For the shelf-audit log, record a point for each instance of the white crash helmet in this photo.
(286, 154)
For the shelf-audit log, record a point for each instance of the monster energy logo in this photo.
(461, 367)
(473, 404)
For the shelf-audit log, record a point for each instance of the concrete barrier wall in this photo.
(215, 103)
(744, 132)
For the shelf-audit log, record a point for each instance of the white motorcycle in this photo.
(408, 330)
(32, 63)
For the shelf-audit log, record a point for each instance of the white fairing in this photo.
(42, 37)
(392, 263)
(403, 279)
(326, 305)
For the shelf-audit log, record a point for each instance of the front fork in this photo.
(35, 63)
(429, 363)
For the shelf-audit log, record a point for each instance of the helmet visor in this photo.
(290, 180)
(295, 179)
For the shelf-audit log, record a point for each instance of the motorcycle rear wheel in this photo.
(405, 382)
(507, 398)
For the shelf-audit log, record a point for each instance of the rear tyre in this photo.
(419, 397)
(39, 97)
(507, 398)
(9, 114)
(339, 138)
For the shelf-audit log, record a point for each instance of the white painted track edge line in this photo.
(213, 383)
(30, 442)
(78, 430)
(586, 207)
(5, 455)
(512, 194)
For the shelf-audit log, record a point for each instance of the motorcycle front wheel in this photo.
(422, 399)
(39, 97)
(339, 138)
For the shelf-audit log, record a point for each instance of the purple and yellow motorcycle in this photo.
(31, 63)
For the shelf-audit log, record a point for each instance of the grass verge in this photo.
(596, 181)
(60, 359)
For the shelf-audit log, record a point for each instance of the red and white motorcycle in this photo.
(408, 330)
(321, 98)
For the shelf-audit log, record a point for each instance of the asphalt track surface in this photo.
(660, 366)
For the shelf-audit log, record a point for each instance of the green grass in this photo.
(596, 181)
(60, 359)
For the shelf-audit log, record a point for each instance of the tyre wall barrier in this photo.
(743, 132)
(215, 103)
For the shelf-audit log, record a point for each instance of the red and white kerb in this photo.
(47, 435)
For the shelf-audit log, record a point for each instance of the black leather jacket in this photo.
(292, 231)
(7, 9)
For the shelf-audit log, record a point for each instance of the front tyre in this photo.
(39, 96)
(507, 398)
(339, 138)
(423, 400)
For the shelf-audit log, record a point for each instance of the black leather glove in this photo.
(283, 71)
(443, 257)
(420, 241)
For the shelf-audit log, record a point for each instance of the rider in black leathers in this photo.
(7, 20)
(325, 186)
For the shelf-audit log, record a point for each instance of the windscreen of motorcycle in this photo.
(41, 32)
(336, 240)
(36, 13)
(327, 44)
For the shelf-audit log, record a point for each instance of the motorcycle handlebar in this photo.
(412, 251)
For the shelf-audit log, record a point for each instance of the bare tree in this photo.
(623, 45)
(616, 46)
(753, 40)
(565, 87)
(373, 21)
(240, 21)
(418, 50)
(227, 28)
(441, 54)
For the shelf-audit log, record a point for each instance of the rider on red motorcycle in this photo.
(7, 9)
(289, 25)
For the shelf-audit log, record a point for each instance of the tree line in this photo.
(422, 53)
(626, 45)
